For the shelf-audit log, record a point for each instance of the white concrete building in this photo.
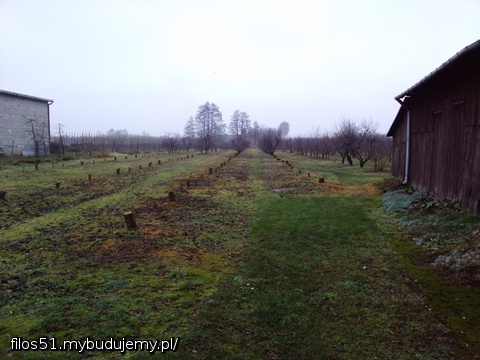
(24, 123)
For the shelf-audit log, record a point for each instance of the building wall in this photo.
(399, 147)
(15, 113)
(445, 136)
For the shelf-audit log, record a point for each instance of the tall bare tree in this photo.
(239, 129)
(189, 134)
(284, 129)
(209, 125)
(34, 132)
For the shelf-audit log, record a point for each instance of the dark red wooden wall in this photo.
(445, 135)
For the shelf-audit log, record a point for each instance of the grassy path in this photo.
(318, 280)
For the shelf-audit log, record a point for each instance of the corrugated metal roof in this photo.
(459, 55)
(25, 96)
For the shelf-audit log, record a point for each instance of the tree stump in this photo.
(188, 183)
(57, 184)
(81, 162)
(118, 171)
(321, 180)
(3, 193)
(130, 220)
(299, 171)
(171, 197)
(210, 171)
(159, 162)
(150, 164)
(36, 166)
(308, 174)
(89, 177)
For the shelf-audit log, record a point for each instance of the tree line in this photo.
(207, 131)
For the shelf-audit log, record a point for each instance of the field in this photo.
(253, 260)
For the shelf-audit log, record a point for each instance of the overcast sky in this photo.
(146, 66)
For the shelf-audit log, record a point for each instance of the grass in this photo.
(253, 261)
(319, 280)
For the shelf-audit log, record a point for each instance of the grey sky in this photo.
(148, 65)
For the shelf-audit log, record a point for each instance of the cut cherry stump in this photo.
(130, 220)
(3, 193)
(171, 196)
(321, 180)
(57, 184)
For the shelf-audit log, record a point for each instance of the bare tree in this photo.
(269, 140)
(60, 140)
(356, 141)
(382, 151)
(170, 142)
(239, 129)
(34, 132)
(299, 144)
(346, 140)
(366, 140)
(326, 146)
(189, 134)
(255, 132)
(288, 144)
(209, 125)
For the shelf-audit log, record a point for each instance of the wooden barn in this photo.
(436, 133)
(24, 123)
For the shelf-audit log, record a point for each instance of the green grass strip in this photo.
(318, 281)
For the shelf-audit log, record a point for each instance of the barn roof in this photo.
(25, 96)
(460, 55)
(465, 52)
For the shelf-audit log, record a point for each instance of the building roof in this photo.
(460, 55)
(465, 52)
(25, 96)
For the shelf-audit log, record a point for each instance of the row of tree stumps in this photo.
(290, 164)
(129, 216)
(83, 162)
